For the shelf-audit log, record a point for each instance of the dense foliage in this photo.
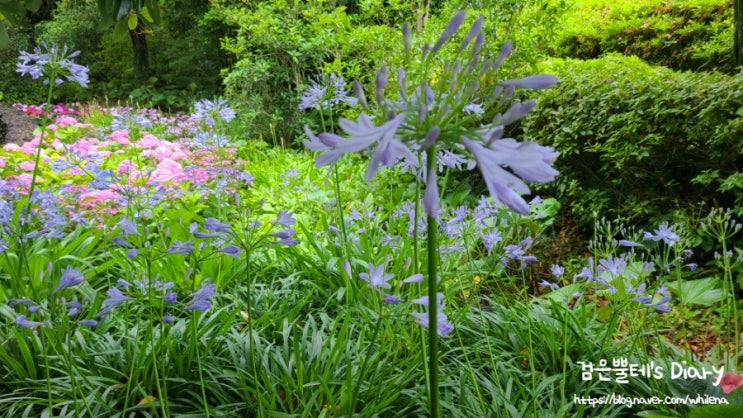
(638, 141)
(688, 35)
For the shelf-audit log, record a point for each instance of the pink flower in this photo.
(66, 121)
(730, 381)
(121, 137)
(148, 141)
(96, 197)
(125, 166)
(82, 145)
(29, 147)
(11, 147)
(2, 162)
(27, 165)
(167, 170)
(178, 155)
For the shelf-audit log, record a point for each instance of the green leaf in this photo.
(121, 30)
(145, 12)
(704, 292)
(154, 9)
(717, 411)
(132, 21)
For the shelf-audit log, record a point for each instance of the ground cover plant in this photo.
(166, 265)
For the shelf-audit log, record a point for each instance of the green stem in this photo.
(433, 341)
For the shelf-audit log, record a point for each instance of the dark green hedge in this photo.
(690, 35)
(639, 141)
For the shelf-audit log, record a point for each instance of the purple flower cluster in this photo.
(426, 117)
(377, 279)
(70, 277)
(54, 63)
(321, 95)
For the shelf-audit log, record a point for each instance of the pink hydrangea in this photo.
(11, 147)
(2, 162)
(83, 145)
(196, 175)
(125, 166)
(98, 197)
(167, 170)
(149, 141)
(178, 155)
(29, 147)
(27, 165)
(66, 121)
(121, 137)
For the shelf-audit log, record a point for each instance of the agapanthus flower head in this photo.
(663, 233)
(115, 298)
(200, 300)
(376, 277)
(70, 277)
(434, 115)
(52, 62)
(21, 321)
(210, 111)
(330, 92)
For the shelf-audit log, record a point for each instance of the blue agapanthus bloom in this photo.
(210, 111)
(70, 277)
(434, 114)
(52, 62)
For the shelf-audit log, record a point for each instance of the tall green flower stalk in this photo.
(49, 64)
(438, 115)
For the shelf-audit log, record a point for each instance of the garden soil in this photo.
(16, 127)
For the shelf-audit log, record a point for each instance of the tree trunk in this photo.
(141, 55)
(738, 35)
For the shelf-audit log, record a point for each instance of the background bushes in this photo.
(638, 141)
(689, 35)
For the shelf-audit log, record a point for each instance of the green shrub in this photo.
(690, 35)
(637, 140)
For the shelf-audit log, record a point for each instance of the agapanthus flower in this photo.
(529, 161)
(376, 277)
(659, 304)
(285, 219)
(70, 277)
(443, 326)
(74, 307)
(664, 233)
(549, 285)
(424, 119)
(613, 265)
(128, 227)
(231, 250)
(52, 61)
(212, 224)
(179, 247)
(200, 300)
(115, 298)
(21, 321)
(211, 110)
(318, 95)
